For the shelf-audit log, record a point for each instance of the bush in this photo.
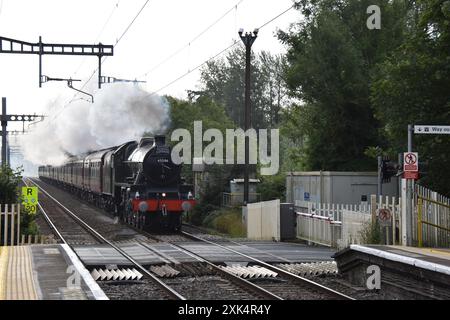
(371, 233)
(28, 225)
(272, 187)
(200, 212)
(226, 220)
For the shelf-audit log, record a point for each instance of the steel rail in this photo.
(97, 235)
(47, 218)
(228, 275)
(275, 269)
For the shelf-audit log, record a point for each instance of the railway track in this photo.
(218, 280)
(63, 219)
(286, 286)
(73, 230)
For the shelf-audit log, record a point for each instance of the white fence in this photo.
(263, 220)
(339, 225)
(330, 210)
(353, 224)
(9, 224)
(318, 229)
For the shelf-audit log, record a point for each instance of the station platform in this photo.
(45, 272)
(406, 272)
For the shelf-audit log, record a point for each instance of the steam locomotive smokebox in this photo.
(288, 221)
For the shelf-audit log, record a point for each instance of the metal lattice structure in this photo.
(100, 50)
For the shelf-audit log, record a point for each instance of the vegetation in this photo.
(9, 184)
(272, 187)
(342, 94)
(411, 86)
(360, 88)
(371, 233)
(226, 220)
(223, 81)
(330, 59)
(10, 194)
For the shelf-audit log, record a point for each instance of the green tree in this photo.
(331, 54)
(223, 80)
(9, 184)
(183, 114)
(412, 87)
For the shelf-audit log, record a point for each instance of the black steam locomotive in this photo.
(137, 181)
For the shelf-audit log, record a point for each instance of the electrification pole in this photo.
(409, 193)
(248, 40)
(380, 178)
(5, 118)
(4, 124)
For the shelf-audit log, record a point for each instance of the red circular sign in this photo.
(410, 158)
(384, 214)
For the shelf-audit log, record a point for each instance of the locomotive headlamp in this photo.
(163, 194)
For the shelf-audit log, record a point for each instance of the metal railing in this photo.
(442, 215)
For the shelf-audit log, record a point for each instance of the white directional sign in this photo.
(430, 129)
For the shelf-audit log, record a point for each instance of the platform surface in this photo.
(434, 259)
(44, 272)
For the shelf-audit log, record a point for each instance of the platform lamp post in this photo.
(248, 40)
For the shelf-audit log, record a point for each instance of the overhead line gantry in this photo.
(100, 50)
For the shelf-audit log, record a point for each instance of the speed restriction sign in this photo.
(30, 199)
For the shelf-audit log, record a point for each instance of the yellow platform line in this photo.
(441, 251)
(20, 285)
(3, 268)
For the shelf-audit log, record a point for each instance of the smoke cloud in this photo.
(121, 112)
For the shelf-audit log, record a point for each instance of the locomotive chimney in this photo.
(160, 140)
(146, 141)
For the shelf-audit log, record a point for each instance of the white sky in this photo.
(162, 28)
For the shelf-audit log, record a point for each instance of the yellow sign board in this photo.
(30, 198)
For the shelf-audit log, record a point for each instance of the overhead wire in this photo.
(118, 40)
(188, 44)
(218, 54)
(115, 7)
(103, 60)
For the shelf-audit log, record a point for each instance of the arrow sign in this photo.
(430, 129)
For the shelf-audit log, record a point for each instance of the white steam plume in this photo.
(121, 112)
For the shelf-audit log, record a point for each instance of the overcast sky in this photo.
(162, 28)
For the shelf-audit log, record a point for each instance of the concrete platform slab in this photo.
(45, 272)
(437, 260)
(403, 272)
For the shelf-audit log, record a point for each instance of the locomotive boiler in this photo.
(137, 181)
